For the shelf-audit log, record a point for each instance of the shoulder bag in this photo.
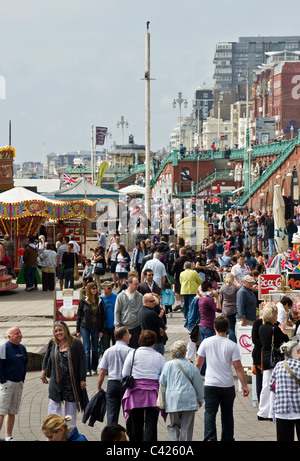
(128, 381)
(291, 372)
(184, 372)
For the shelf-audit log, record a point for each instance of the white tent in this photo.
(21, 194)
(133, 189)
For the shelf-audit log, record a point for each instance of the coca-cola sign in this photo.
(267, 283)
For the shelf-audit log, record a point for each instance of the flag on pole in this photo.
(100, 135)
(67, 180)
(297, 269)
(89, 180)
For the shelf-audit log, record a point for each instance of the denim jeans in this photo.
(213, 398)
(187, 299)
(69, 277)
(205, 333)
(271, 247)
(29, 276)
(90, 343)
(232, 322)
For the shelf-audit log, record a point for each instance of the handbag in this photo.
(100, 267)
(128, 381)
(76, 273)
(161, 397)
(275, 355)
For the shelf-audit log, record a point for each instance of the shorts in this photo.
(113, 266)
(122, 275)
(252, 239)
(60, 272)
(10, 397)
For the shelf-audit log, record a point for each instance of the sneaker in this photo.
(9, 439)
(94, 372)
(89, 373)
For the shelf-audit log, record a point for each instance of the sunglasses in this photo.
(94, 288)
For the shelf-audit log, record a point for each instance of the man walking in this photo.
(30, 261)
(150, 320)
(246, 303)
(13, 363)
(128, 304)
(149, 285)
(111, 364)
(158, 268)
(220, 353)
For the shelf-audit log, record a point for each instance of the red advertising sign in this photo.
(267, 283)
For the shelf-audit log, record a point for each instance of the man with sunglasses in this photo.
(149, 285)
(150, 320)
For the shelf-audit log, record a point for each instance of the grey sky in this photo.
(69, 65)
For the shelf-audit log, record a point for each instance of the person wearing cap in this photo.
(246, 303)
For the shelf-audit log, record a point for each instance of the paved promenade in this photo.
(33, 313)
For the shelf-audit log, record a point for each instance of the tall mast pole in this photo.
(147, 125)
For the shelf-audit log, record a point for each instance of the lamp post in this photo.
(122, 123)
(180, 100)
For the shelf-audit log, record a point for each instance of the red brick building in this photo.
(276, 93)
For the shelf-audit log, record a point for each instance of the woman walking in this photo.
(65, 364)
(90, 325)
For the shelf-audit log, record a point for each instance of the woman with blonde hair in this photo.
(272, 337)
(65, 364)
(55, 429)
(228, 293)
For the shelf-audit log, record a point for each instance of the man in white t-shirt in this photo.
(220, 354)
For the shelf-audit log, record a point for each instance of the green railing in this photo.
(269, 171)
(217, 175)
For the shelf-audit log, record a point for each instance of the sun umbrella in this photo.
(280, 232)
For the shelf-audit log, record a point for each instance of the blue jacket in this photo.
(193, 315)
(76, 437)
(167, 297)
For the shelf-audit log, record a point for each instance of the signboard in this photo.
(293, 281)
(244, 341)
(66, 304)
(268, 283)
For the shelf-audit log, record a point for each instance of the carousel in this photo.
(23, 212)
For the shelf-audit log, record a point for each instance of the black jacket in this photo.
(95, 409)
(265, 333)
(84, 315)
(150, 320)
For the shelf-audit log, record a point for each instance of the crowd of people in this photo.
(122, 332)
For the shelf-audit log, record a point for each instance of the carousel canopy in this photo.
(20, 202)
